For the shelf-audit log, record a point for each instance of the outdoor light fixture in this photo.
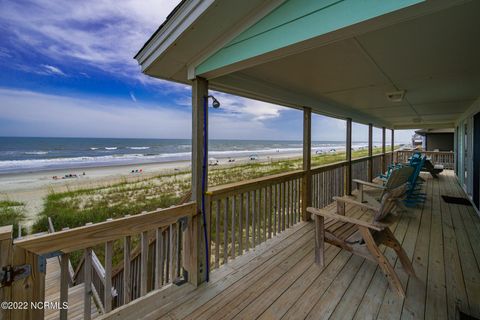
(215, 102)
(395, 96)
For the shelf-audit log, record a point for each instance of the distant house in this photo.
(436, 139)
(417, 141)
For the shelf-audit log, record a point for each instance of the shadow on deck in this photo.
(279, 280)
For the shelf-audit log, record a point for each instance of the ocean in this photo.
(37, 154)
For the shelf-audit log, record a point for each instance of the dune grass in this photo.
(12, 213)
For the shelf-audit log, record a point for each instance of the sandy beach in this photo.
(32, 187)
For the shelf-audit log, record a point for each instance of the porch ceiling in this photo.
(435, 58)
(430, 49)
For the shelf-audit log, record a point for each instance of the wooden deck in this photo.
(279, 280)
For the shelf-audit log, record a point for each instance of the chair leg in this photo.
(360, 190)
(382, 261)
(319, 241)
(402, 255)
(401, 206)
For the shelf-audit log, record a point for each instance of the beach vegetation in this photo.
(12, 213)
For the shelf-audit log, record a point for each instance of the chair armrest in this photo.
(355, 203)
(370, 184)
(320, 212)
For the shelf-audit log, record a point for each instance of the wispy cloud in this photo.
(4, 53)
(53, 70)
(103, 34)
(248, 108)
(132, 96)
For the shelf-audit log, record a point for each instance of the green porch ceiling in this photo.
(295, 21)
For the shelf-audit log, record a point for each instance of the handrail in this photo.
(361, 159)
(91, 235)
(326, 167)
(239, 187)
(434, 152)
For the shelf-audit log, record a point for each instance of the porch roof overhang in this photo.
(337, 57)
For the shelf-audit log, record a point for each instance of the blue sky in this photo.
(67, 69)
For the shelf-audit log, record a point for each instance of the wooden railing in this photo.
(360, 169)
(328, 181)
(153, 269)
(445, 158)
(377, 165)
(243, 215)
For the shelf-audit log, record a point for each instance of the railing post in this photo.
(30, 289)
(348, 171)
(307, 149)
(6, 235)
(384, 156)
(370, 152)
(393, 146)
(194, 245)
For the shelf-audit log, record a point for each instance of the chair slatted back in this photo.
(398, 177)
(387, 201)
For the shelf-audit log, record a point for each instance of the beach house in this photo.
(246, 250)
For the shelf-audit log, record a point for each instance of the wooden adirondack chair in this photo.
(434, 170)
(375, 191)
(361, 237)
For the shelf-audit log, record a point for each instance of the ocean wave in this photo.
(138, 148)
(111, 148)
(93, 148)
(36, 152)
(138, 158)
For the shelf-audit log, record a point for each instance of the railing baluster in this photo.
(287, 204)
(283, 206)
(240, 226)
(159, 257)
(254, 213)
(265, 214)
(290, 202)
(167, 255)
(64, 281)
(270, 207)
(126, 269)
(225, 232)
(258, 219)
(217, 233)
(209, 234)
(178, 260)
(278, 211)
(108, 276)
(233, 231)
(87, 278)
(299, 197)
(247, 221)
(173, 252)
(144, 263)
